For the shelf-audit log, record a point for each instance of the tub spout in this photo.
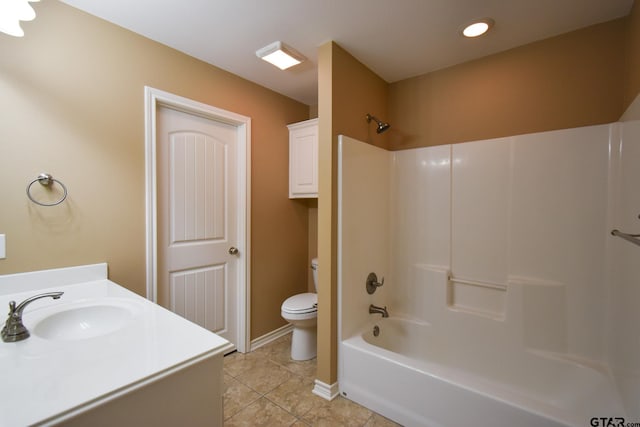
(373, 309)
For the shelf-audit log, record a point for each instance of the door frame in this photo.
(153, 98)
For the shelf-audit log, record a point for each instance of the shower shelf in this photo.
(478, 298)
(633, 238)
(497, 286)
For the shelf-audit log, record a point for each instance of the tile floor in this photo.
(267, 388)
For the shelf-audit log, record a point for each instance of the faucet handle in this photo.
(372, 283)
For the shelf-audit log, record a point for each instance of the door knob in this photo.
(233, 250)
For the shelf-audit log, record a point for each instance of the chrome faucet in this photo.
(373, 309)
(13, 329)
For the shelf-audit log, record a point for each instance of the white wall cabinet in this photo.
(303, 159)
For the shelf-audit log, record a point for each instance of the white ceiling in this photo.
(396, 39)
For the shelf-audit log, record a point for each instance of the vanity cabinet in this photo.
(303, 159)
(104, 356)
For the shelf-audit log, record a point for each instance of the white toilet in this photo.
(302, 312)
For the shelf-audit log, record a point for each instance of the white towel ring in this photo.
(47, 180)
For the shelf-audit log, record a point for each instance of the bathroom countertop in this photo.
(46, 381)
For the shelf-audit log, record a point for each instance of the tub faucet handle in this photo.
(372, 283)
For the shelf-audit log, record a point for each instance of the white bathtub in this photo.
(420, 378)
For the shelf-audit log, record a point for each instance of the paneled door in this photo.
(197, 221)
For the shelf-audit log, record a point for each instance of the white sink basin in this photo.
(84, 320)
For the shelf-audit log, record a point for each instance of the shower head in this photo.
(382, 126)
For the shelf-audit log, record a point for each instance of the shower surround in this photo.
(506, 292)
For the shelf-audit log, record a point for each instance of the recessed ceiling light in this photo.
(280, 55)
(477, 27)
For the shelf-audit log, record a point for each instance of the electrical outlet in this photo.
(3, 247)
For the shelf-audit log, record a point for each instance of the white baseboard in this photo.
(326, 391)
(271, 336)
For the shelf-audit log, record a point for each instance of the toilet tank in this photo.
(314, 267)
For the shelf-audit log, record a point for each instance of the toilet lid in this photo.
(301, 303)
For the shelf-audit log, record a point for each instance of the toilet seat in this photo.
(301, 304)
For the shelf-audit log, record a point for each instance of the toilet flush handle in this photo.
(233, 250)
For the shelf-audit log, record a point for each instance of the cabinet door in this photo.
(303, 160)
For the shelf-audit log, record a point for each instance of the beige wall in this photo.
(347, 92)
(327, 303)
(356, 92)
(632, 81)
(72, 105)
(575, 79)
